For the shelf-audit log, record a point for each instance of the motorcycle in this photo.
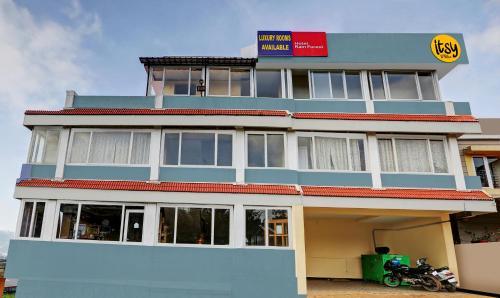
(445, 276)
(419, 276)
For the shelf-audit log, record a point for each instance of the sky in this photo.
(92, 47)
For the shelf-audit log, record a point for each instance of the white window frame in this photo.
(91, 131)
(284, 80)
(203, 206)
(312, 91)
(77, 223)
(266, 233)
(429, 152)
(487, 168)
(229, 68)
(125, 228)
(33, 140)
(265, 133)
(347, 137)
(180, 131)
(387, 90)
(32, 220)
(190, 68)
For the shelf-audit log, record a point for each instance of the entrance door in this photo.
(134, 220)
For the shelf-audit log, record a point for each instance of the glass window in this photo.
(32, 220)
(156, 81)
(332, 85)
(377, 89)
(224, 150)
(171, 149)
(100, 222)
(196, 76)
(305, 152)
(266, 227)
(357, 148)
(481, 170)
(198, 149)
(300, 79)
(194, 225)
(386, 154)
(439, 156)
(109, 147)
(426, 83)
(67, 221)
(275, 150)
(321, 83)
(140, 148)
(166, 231)
(255, 227)
(488, 170)
(176, 81)
(135, 224)
(38, 220)
(277, 224)
(402, 85)
(412, 155)
(79, 148)
(44, 146)
(337, 79)
(256, 150)
(269, 83)
(240, 82)
(218, 81)
(494, 167)
(266, 150)
(331, 153)
(26, 221)
(353, 85)
(221, 229)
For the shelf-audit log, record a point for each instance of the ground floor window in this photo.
(32, 220)
(266, 226)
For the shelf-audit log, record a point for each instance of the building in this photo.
(243, 176)
(477, 238)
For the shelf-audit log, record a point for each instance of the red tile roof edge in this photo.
(187, 112)
(271, 189)
(386, 117)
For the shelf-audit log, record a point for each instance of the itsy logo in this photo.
(445, 48)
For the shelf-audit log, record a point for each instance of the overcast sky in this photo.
(47, 47)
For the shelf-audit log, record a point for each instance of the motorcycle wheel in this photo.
(430, 283)
(451, 288)
(391, 281)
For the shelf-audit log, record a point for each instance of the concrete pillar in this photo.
(154, 155)
(456, 163)
(449, 245)
(61, 153)
(239, 157)
(299, 246)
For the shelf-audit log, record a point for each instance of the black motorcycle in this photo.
(419, 276)
(443, 274)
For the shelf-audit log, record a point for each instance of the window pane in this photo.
(481, 170)
(321, 85)
(109, 147)
(426, 85)
(224, 150)
(38, 221)
(198, 149)
(386, 155)
(269, 83)
(275, 150)
(50, 155)
(221, 226)
(439, 157)
(194, 225)
(331, 153)
(255, 224)
(167, 225)
(494, 164)
(171, 149)
(300, 82)
(80, 147)
(256, 150)
(357, 155)
(277, 223)
(140, 148)
(240, 82)
(67, 221)
(353, 85)
(36, 152)
(412, 156)
(100, 222)
(218, 81)
(26, 222)
(176, 81)
(402, 85)
(337, 84)
(195, 80)
(377, 85)
(305, 153)
(135, 226)
(156, 81)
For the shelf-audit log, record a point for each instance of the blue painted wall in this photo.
(280, 176)
(37, 171)
(462, 108)
(335, 179)
(418, 180)
(107, 172)
(86, 270)
(410, 107)
(473, 182)
(127, 102)
(197, 174)
(333, 106)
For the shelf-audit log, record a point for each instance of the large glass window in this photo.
(174, 80)
(488, 170)
(402, 85)
(156, 81)
(266, 227)
(412, 155)
(32, 220)
(331, 153)
(198, 148)
(44, 145)
(225, 81)
(67, 219)
(336, 84)
(110, 147)
(269, 83)
(100, 222)
(265, 150)
(300, 83)
(194, 225)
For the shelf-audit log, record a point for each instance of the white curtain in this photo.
(140, 148)
(80, 147)
(412, 155)
(50, 156)
(109, 147)
(305, 152)
(386, 155)
(439, 156)
(331, 153)
(357, 155)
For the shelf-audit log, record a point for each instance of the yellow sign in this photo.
(445, 48)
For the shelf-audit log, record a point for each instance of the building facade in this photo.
(244, 176)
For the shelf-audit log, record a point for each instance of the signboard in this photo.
(288, 44)
(445, 48)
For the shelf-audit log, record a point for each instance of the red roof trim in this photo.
(188, 112)
(324, 191)
(386, 117)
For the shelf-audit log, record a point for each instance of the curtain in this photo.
(110, 147)
(357, 155)
(140, 148)
(305, 152)
(50, 156)
(331, 154)
(439, 157)
(412, 155)
(386, 155)
(80, 147)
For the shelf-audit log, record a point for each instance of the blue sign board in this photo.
(274, 43)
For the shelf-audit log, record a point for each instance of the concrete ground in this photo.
(321, 288)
